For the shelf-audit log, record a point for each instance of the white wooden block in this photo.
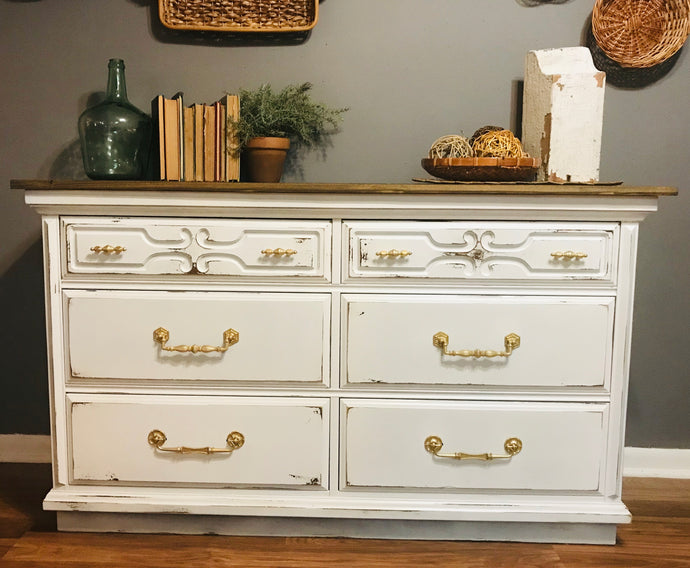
(563, 108)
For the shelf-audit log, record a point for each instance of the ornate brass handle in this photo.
(512, 447)
(569, 255)
(108, 249)
(278, 252)
(162, 335)
(393, 253)
(511, 342)
(235, 441)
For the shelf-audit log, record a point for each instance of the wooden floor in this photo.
(659, 536)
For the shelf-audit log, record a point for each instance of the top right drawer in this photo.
(483, 251)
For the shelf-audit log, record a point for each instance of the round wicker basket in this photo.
(641, 33)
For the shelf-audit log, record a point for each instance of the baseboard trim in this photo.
(638, 462)
(656, 462)
(24, 448)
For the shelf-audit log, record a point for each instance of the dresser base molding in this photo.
(483, 507)
(572, 533)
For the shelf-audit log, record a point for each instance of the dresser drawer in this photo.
(215, 336)
(562, 445)
(274, 442)
(482, 251)
(244, 248)
(506, 341)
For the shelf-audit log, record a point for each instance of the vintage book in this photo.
(179, 107)
(195, 143)
(198, 142)
(157, 166)
(171, 156)
(231, 106)
(219, 148)
(209, 142)
(188, 143)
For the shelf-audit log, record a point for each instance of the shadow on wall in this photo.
(24, 406)
(68, 164)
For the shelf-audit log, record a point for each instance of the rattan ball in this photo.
(483, 130)
(451, 146)
(498, 144)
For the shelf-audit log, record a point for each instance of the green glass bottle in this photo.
(115, 135)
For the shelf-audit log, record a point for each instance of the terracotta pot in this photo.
(264, 158)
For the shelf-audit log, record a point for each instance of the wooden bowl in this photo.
(482, 169)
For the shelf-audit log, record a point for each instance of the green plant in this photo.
(289, 113)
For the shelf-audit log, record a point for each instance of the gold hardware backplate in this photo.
(108, 249)
(510, 341)
(157, 438)
(162, 336)
(512, 447)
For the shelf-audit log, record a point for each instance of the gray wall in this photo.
(410, 70)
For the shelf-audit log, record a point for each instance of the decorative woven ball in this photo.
(451, 146)
(498, 144)
(483, 130)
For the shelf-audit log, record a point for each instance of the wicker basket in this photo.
(641, 33)
(239, 15)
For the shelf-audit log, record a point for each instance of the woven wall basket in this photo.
(239, 15)
(641, 33)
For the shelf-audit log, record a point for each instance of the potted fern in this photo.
(269, 121)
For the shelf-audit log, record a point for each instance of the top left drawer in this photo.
(251, 248)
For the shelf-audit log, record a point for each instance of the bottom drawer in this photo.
(387, 444)
(278, 442)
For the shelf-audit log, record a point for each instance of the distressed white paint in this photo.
(565, 341)
(285, 440)
(281, 336)
(563, 111)
(384, 445)
(584, 506)
(483, 252)
(186, 247)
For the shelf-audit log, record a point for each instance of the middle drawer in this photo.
(506, 341)
(216, 336)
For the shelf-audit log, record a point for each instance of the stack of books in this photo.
(196, 142)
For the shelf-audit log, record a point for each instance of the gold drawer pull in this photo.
(278, 252)
(511, 342)
(512, 447)
(108, 249)
(162, 335)
(235, 441)
(569, 255)
(393, 253)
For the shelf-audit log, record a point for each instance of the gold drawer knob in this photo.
(162, 335)
(235, 441)
(108, 249)
(278, 252)
(510, 341)
(512, 447)
(569, 255)
(393, 253)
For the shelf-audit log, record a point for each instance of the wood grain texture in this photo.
(427, 187)
(659, 536)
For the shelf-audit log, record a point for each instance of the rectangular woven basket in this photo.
(239, 15)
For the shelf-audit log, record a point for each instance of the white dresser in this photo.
(429, 361)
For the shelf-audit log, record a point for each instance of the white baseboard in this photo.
(656, 462)
(638, 462)
(24, 448)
